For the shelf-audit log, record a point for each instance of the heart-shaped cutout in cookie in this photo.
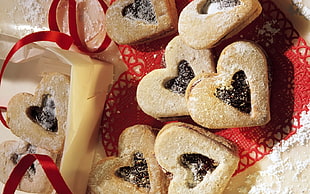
(135, 170)
(41, 118)
(140, 10)
(139, 21)
(34, 180)
(161, 92)
(136, 174)
(181, 81)
(44, 114)
(199, 165)
(237, 95)
(203, 23)
(200, 161)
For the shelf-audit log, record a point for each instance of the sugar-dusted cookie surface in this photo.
(135, 170)
(161, 92)
(200, 161)
(139, 21)
(237, 95)
(41, 119)
(34, 180)
(203, 23)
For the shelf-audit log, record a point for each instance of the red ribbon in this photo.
(3, 109)
(49, 168)
(62, 40)
(73, 29)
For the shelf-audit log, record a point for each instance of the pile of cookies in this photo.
(40, 122)
(230, 92)
(181, 158)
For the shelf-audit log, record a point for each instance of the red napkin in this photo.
(290, 86)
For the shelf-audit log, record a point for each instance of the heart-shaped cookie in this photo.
(35, 180)
(135, 170)
(203, 23)
(237, 95)
(161, 92)
(200, 161)
(40, 119)
(139, 21)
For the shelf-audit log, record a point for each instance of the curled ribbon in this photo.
(3, 109)
(49, 168)
(73, 29)
(63, 41)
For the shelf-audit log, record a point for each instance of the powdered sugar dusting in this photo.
(34, 13)
(269, 30)
(289, 171)
(219, 5)
(285, 170)
(302, 8)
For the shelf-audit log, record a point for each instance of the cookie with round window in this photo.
(41, 118)
(204, 23)
(134, 170)
(134, 22)
(237, 95)
(199, 161)
(161, 93)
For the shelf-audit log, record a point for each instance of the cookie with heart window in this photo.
(34, 180)
(161, 93)
(237, 95)
(41, 119)
(135, 170)
(204, 23)
(140, 21)
(199, 161)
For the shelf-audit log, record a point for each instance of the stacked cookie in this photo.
(40, 122)
(182, 158)
(232, 92)
(134, 22)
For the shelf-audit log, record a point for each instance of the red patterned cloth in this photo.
(290, 86)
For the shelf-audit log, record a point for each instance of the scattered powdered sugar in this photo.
(289, 169)
(302, 136)
(34, 12)
(215, 6)
(31, 10)
(302, 8)
(269, 30)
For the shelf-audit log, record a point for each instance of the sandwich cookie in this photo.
(41, 119)
(204, 23)
(161, 93)
(200, 161)
(237, 95)
(140, 21)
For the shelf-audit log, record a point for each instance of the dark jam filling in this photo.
(136, 174)
(44, 115)
(140, 10)
(180, 83)
(199, 165)
(238, 95)
(16, 157)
